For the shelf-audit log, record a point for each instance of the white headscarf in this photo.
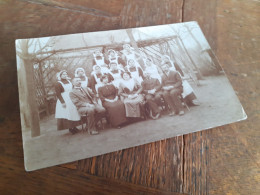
(59, 74)
(78, 69)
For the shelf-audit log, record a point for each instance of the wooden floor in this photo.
(223, 160)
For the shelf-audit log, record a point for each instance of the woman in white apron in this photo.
(116, 73)
(113, 57)
(99, 60)
(80, 73)
(96, 75)
(66, 112)
(152, 69)
(136, 72)
(129, 53)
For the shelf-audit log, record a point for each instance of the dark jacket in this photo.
(150, 84)
(172, 79)
(80, 98)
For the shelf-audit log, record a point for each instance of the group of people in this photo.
(119, 88)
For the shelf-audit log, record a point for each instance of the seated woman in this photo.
(80, 73)
(110, 101)
(129, 90)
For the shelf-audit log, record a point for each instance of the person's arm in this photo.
(141, 74)
(145, 91)
(121, 91)
(110, 77)
(178, 68)
(121, 61)
(101, 95)
(139, 86)
(59, 89)
(158, 85)
(178, 84)
(76, 101)
(93, 84)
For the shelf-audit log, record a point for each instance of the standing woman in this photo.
(114, 106)
(66, 113)
(129, 90)
(80, 73)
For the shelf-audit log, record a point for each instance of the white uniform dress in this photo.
(70, 112)
(117, 77)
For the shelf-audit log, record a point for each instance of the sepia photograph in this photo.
(84, 95)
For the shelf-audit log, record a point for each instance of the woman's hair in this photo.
(122, 74)
(105, 76)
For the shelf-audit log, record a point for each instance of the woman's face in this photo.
(113, 66)
(131, 63)
(97, 69)
(64, 75)
(126, 76)
(148, 63)
(112, 54)
(80, 73)
(105, 80)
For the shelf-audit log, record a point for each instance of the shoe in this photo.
(94, 132)
(76, 129)
(172, 114)
(181, 113)
(194, 103)
(119, 127)
(72, 131)
(157, 116)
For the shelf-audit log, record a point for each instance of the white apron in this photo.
(70, 112)
(117, 78)
(136, 75)
(187, 89)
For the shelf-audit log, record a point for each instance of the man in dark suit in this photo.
(172, 90)
(151, 87)
(85, 101)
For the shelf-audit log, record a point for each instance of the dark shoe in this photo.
(194, 103)
(76, 129)
(72, 131)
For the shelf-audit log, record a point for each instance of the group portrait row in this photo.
(120, 89)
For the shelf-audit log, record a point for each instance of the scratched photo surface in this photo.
(83, 95)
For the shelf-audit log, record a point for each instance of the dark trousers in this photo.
(93, 115)
(171, 97)
(152, 101)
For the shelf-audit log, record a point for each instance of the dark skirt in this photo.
(63, 124)
(116, 112)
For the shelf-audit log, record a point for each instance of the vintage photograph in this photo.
(83, 95)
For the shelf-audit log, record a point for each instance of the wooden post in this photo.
(135, 46)
(29, 88)
(31, 98)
